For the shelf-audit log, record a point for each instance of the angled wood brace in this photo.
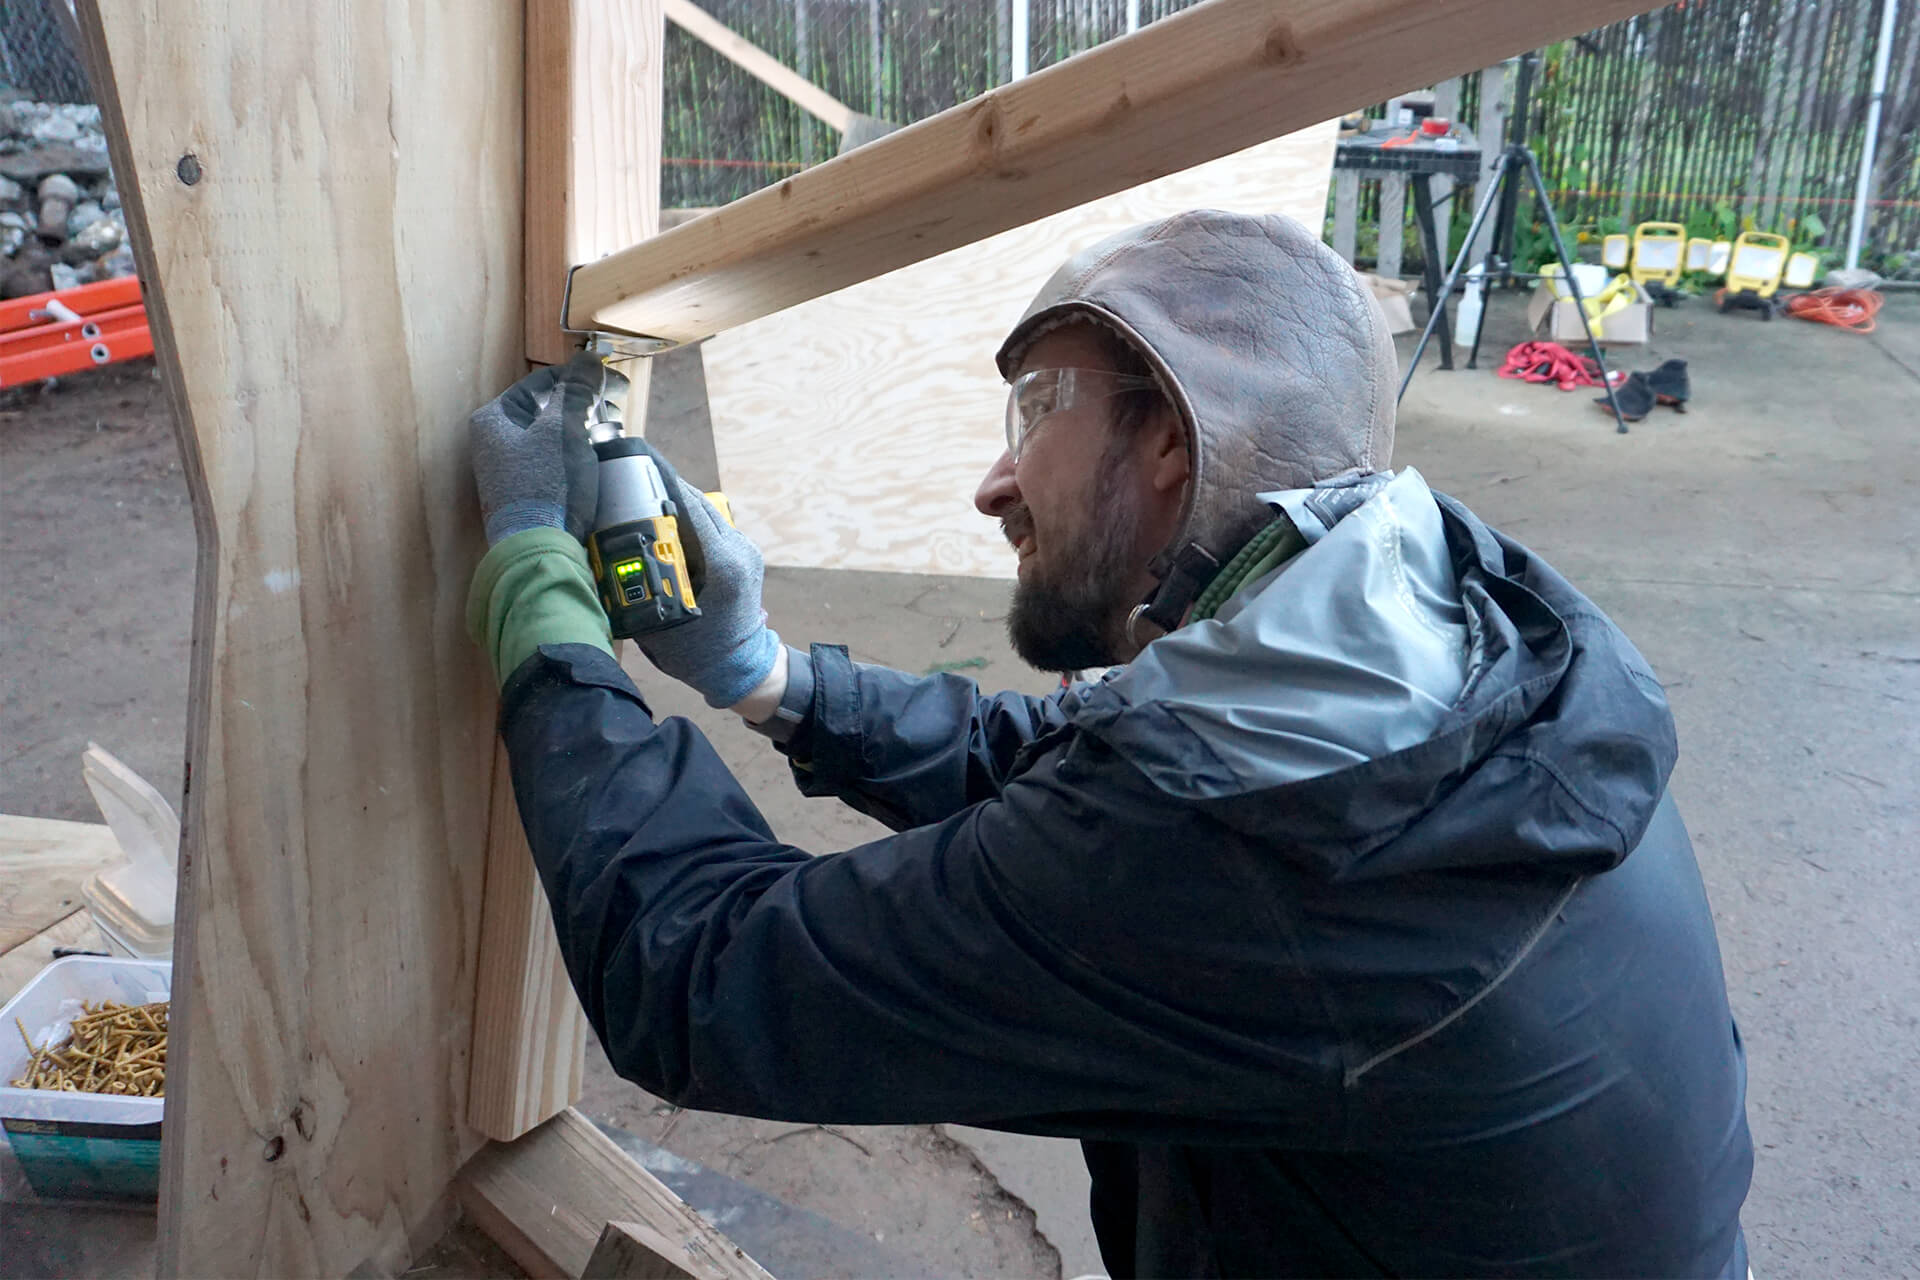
(1201, 84)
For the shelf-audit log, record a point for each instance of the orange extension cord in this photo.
(1849, 309)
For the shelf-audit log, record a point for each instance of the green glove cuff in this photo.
(534, 588)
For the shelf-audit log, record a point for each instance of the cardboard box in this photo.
(1392, 296)
(1559, 320)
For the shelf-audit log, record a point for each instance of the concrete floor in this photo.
(1760, 550)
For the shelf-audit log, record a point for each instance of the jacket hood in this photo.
(1413, 692)
(1278, 360)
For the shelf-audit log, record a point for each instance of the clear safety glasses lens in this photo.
(1034, 396)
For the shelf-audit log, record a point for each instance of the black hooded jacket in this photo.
(1452, 1009)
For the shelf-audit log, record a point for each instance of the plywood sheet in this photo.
(21, 963)
(325, 205)
(852, 430)
(43, 863)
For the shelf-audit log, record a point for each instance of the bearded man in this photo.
(1347, 921)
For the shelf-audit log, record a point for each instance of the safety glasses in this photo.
(1035, 396)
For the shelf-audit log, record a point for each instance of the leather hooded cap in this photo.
(1276, 356)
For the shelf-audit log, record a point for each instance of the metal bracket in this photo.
(626, 346)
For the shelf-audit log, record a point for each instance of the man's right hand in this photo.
(726, 652)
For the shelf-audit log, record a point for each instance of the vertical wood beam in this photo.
(324, 202)
(1393, 225)
(1491, 128)
(1346, 212)
(1446, 102)
(593, 82)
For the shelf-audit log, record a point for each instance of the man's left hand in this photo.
(532, 461)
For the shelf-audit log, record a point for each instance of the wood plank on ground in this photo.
(325, 206)
(632, 1251)
(43, 862)
(545, 1197)
(20, 963)
(1197, 85)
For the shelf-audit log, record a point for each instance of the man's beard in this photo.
(1074, 614)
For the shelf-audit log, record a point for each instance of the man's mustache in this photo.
(1016, 524)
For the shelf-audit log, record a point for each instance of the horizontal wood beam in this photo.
(1204, 83)
(760, 64)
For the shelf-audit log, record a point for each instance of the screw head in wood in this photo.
(188, 169)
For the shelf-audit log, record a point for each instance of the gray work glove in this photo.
(532, 461)
(728, 650)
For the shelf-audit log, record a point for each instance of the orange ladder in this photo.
(50, 334)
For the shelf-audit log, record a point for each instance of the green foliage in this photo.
(1716, 223)
(1532, 246)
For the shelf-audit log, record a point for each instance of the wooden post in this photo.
(339, 721)
(1491, 128)
(593, 78)
(1346, 212)
(1446, 103)
(1393, 223)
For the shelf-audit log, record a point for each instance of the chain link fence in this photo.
(1715, 113)
(1725, 116)
(38, 57)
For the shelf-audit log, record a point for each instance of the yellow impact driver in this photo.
(639, 562)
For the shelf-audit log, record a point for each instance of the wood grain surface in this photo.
(43, 862)
(593, 75)
(632, 1251)
(759, 64)
(1203, 83)
(529, 1031)
(852, 430)
(20, 963)
(325, 202)
(546, 1197)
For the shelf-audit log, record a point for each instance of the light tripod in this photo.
(1516, 160)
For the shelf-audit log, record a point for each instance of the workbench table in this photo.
(1421, 161)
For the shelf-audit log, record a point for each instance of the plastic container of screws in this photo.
(80, 1146)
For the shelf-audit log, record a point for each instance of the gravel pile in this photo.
(61, 223)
